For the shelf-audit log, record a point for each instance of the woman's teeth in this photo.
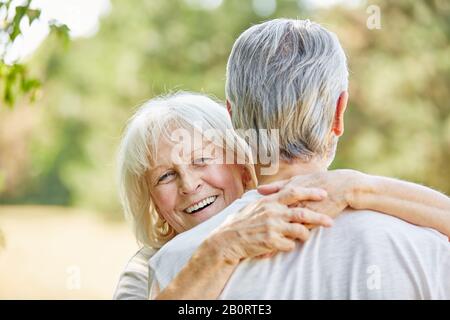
(201, 204)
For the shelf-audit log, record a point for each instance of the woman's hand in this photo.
(269, 225)
(411, 202)
(339, 184)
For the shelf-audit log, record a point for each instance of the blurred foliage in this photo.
(14, 78)
(2, 181)
(397, 123)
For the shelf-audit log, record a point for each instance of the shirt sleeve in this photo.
(153, 287)
(135, 279)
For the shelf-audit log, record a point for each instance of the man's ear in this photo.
(338, 121)
(229, 107)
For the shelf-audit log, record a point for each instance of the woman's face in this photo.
(190, 191)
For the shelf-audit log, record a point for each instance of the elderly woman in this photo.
(169, 185)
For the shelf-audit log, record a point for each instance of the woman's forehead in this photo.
(169, 152)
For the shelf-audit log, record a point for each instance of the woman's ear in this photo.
(246, 177)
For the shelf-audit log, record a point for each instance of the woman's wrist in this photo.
(219, 248)
(359, 185)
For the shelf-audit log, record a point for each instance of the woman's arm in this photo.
(349, 188)
(203, 277)
(260, 229)
(405, 200)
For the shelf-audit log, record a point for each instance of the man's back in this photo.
(365, 255)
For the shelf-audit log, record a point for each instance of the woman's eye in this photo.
(166, 177)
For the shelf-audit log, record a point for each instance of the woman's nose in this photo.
(189, 184)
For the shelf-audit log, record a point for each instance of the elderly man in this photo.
(291, 75)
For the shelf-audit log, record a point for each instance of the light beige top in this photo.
(135, 279)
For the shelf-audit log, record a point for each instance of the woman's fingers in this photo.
(291, 196)
(272, 187)
(266, 255)
(285, 244)
(295, 231)
(308, 217)
(270, 225)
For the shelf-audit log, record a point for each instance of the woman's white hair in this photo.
(153, 121)
(287, 74)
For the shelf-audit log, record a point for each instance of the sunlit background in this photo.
(62, 234)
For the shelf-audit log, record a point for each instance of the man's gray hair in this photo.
(287, 74)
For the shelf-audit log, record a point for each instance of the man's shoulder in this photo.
(367, 225)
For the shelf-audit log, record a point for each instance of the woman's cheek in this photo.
(227, 178)
(216, 175)
(165, 198)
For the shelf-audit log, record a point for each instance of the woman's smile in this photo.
(200, 206)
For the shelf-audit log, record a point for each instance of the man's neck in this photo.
(287, 170)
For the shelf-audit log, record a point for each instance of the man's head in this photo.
(289, 75)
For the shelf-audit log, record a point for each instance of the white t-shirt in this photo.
(365, 255)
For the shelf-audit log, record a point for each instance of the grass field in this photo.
(60, 253)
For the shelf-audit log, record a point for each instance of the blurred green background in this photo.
(61, 149)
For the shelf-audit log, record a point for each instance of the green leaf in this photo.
(29, 84)
(5, 4)
(8, 95)
(61, 31)
(33, 14)
(20, 13)
(17, 83)
(14, 81)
